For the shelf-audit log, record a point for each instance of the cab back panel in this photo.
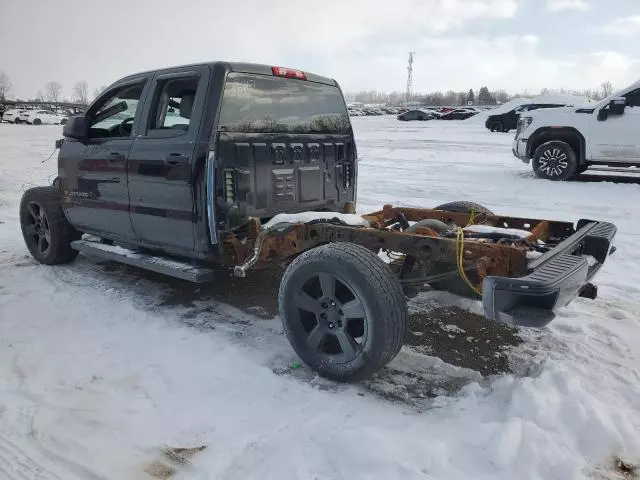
(275, 173)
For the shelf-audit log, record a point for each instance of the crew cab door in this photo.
(93, 170)
(160, 168)
(617, 139)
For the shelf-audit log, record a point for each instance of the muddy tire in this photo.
(45, 229)
(554, 160)
(464, 207)
(343, 311)
(433, 224)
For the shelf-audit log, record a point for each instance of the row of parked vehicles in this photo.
(439, 113)
(34, 117)
(374, 111)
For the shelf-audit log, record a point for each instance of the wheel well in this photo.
(566, 134)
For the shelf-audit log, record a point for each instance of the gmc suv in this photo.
(562, 142)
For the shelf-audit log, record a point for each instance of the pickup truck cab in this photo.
(562, 142)
(207, 170)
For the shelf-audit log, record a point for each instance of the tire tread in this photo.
(386, 288)
(64, 233)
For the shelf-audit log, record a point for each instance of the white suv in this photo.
(562, 142)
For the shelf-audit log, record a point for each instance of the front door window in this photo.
(114, 117)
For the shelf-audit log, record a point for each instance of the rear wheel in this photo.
(464, 207)
(496, 126)
(456, 284)
(16, 121)
(554, 160)
(343, 310)
(45, 229)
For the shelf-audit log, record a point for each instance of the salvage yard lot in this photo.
(102, 366)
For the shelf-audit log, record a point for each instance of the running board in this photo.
(165, 266)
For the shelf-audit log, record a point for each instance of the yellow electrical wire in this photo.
(472, 217)
(460, 260)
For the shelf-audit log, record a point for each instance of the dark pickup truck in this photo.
(205, 170)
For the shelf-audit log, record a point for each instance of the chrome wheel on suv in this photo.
(554, 160)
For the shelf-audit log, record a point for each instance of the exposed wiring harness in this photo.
(460, 260)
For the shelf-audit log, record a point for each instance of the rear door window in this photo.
(263, 104)
(173, 107)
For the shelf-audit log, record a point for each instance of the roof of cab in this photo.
(256, 68)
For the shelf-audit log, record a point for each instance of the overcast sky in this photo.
(364, 44)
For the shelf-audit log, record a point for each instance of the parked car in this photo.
(562, 142)
(459, 114)
(416, 114)
(24, 114)
(13, 115)
(503, 122)
(43, 117)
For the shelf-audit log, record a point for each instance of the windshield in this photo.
(262, 104)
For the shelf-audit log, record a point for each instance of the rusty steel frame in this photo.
(424, 249)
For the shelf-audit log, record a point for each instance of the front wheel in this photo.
(37, 121)
(343, 310)
(16, 121)
(554, 160)
(496, 126)
(45, 229)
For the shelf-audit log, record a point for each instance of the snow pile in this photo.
(306, 217)
(491, 229)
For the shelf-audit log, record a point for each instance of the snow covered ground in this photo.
(101, 366)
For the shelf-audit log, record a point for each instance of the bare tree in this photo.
(607, 89)
(5, 85)
(53, 89)
(81, 93)
(40, 96)
(98, 91)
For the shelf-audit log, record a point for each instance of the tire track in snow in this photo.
(18, 464)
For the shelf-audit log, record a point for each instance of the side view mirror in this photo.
(76, 127)
(617, 105)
